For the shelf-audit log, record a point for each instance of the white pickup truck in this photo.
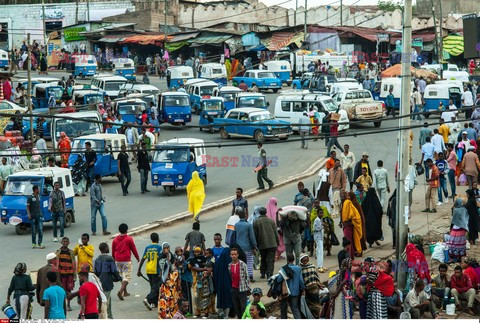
(360, 105)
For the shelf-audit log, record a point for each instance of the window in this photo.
(67, 181)
(243, 116)
(385, 87)
(360, 95)
(432, 93)
(233, 115)
(286, 106)
(197, 90)
(367, 95)
(5, 106)
(60, 181)
(349, 96)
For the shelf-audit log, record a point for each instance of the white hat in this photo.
(465, 133)
(51, 256)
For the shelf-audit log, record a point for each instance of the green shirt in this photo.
(246, 314)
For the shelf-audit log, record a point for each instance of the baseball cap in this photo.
(365, 153)
(51, 256)
(257, 290)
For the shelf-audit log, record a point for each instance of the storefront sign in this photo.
(52, 13)
(383, 37)
(73, 34)
(417, 42)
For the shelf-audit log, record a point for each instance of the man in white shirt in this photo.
(421, 86)
(417, 302)
(380, 182)
(417, 102)
(348, 162)
(454, 127)
(438, 142)
(450, 112)
(467, 102)
(465, 141)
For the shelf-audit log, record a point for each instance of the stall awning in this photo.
(146, 39)
(453, 44)
(181, 37)
(210, 39)
(112, 38)
(280, 40)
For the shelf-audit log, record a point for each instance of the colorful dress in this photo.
(170, 293)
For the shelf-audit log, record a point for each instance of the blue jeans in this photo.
(453, 184)
(143, 179)
(37, 226)
(100, 208)
(442, 187)
(90, 176)
(427, 170)
(58, 216)
(126, 175)
(417, 110)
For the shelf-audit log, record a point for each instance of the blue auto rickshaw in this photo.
(84, 65)
(106, 146)
(131, 109)
(174, 162)
(124, 67)
(4, 62)
(442, 92)
(229, 95)
(174, 108)
(43, 92)
(178, 75)
(211, 108)
(19, 187)
(282, 70)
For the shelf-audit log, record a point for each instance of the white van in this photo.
(291, 107)
(345, 87)
(109, 85)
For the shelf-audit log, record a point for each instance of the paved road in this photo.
(137, 209)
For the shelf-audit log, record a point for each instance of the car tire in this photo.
(224, 134)
(211, 130)
(34, 139)
(259, 136)
(169, 190)
(68, 219)
(426, 115)
(200, 129)
(283, 138)
(20, 229)
(275, 90)
(377, 124)
(204, 179)
(289, 83)
(294, 86)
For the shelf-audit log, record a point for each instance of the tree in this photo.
(389, 5)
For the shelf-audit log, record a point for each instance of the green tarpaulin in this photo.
(171, 47)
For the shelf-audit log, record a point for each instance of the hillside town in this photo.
(248, 159)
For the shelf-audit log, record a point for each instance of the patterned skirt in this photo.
(376, 306)
(457, 243)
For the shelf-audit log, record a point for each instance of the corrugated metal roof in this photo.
(146, 39)
(181, 37)
(210, 39)
(278, 40)
(112, 38)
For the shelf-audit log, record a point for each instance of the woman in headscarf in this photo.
(272, 213)
(64, 146)
(417, 267)
(379, 286)
(373, 217)
(21, 286)
(223, 283)
(358, 206)
(472, 210)
(340, 288)
(170, 288)
(352, 225)
(476, 118)
(457, 240)
(79, 171)
(202, 287)
(185, 275)
(312, 285)
(195, 195)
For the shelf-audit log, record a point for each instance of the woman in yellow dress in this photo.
(352, 225)
(195, 195)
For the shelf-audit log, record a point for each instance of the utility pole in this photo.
(43, 23)
(436, 30)
(295, 17)
(341, 12)
(404, 152)
(304, 34)
(29, 78)
(440, 23)
(88, 10)
(76, 11)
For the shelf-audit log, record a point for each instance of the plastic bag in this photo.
(438, 252)
(462, 180)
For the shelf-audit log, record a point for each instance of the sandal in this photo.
(120, 296)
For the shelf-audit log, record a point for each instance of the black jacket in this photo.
(106, 270)
(143, 162)
(358, 170)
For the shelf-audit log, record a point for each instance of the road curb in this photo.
(310, 171)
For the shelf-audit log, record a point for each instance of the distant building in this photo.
(424, 7)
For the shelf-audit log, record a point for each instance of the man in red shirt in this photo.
(122, 248)
(90, 300)
(242, 86)
(432, 188)
(333, 139)
(462, 289)
(470, 272)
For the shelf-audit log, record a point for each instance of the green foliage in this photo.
(389, 5)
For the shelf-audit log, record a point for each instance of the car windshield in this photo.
(150, 91)
(266, 75)
(130, 108)
(257, 102)
(79, 145)
(94, 99)
(21, 186)
(207, 90)
(228, 96)
(171, 155)
(212, 105)
(57, 92)
(113, 85)
(329, 105)
(261, 116)
(75, 128)
(216, 71)
(176, 101)
(331, 79)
